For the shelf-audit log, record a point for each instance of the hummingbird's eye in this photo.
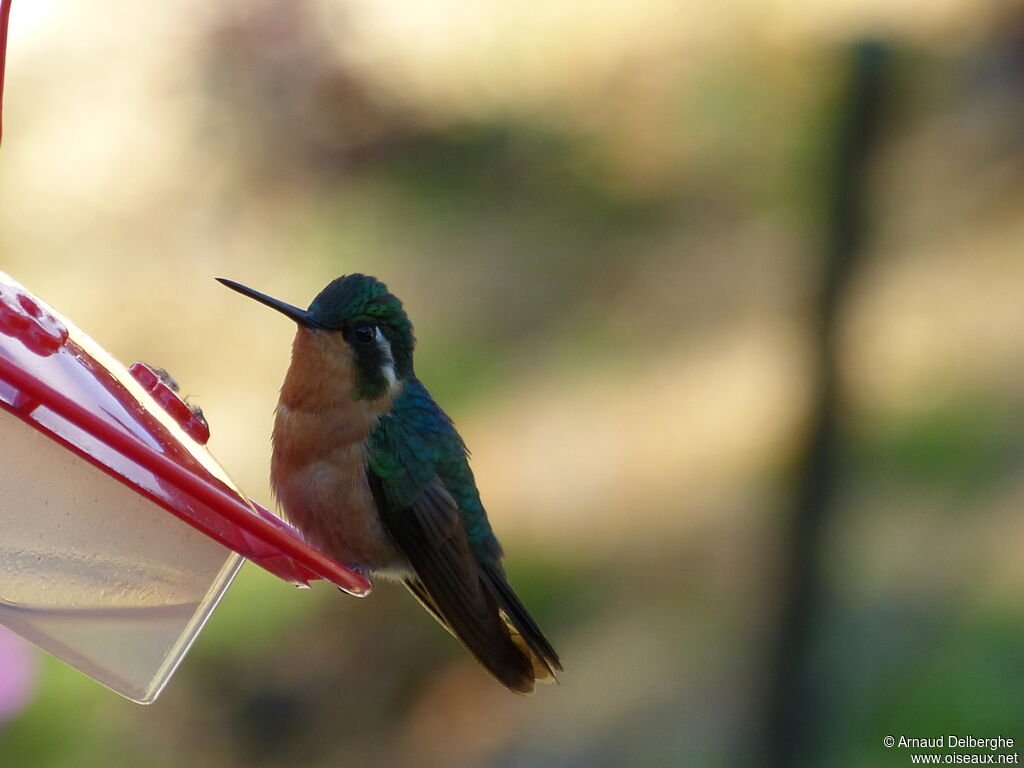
(363, 334)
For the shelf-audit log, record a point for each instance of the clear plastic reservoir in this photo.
(96, 573)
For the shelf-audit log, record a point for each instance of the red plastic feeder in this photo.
(92, 567)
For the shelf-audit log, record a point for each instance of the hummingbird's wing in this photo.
(449, 583)
(417, 469)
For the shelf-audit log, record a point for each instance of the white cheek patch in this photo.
(388, 369)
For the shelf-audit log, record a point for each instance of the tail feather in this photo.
(543, 657)
(470, 598)
(486, 636)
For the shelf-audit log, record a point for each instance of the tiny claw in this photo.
(363, 571)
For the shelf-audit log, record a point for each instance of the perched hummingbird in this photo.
(373, 473)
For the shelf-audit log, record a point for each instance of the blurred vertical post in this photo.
(795, 696)
(5, 17)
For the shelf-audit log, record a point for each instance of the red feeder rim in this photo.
(5, 16)
(137, 429)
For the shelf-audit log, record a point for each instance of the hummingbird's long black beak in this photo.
(300, 316)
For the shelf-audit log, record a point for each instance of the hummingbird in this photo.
(372, 471)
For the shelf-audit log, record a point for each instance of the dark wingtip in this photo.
(525, 634)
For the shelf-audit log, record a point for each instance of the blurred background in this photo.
(724, 297)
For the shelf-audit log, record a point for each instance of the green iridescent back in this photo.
(415, 442)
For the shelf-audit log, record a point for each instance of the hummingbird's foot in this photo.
(362, 570)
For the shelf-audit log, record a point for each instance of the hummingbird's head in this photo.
(362, 321)
(373, 323)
